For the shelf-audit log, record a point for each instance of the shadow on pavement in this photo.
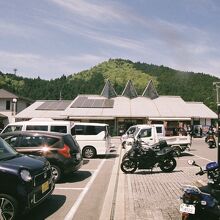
(107, 156)
(77, 176)
(144, 172)
(46, 208)
(186, 154)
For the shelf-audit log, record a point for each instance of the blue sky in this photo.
(49, 38)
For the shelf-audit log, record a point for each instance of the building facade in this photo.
(122, 111)
(10, 105)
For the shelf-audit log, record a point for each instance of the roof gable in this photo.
(108, 90)
(129, 90)
(150, 91)
(4, 94)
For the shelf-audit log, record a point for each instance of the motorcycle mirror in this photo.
(191, 162)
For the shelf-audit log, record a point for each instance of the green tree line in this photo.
(189, 85)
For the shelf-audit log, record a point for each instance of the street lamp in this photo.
(14, 101)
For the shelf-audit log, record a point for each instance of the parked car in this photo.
(93, 138)
(25, 181)
(61, 150)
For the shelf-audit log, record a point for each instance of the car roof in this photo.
(41, 123)
(35, 133)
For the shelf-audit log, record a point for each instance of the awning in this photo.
(91, 117)
(170, 119)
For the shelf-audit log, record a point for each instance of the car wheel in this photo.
(89, 152)
(56, 172)
(8, 207)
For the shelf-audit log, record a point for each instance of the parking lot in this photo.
(142, 195)
(79, 195)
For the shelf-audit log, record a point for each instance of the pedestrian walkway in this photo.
(155, 195)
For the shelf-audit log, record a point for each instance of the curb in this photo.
(109, 208)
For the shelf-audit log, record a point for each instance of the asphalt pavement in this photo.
(147, 195)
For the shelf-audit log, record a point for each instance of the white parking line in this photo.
(75, 206)
(203, 158)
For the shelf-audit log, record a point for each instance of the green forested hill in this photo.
(190, 86)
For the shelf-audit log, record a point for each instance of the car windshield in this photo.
(6, 151)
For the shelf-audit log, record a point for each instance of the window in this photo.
(159, 129)
(11, 140)
(51, 140)
(87, 130)
(11, 128)
(37, 127)
(60, 129)
(8, 105)
(31, 141)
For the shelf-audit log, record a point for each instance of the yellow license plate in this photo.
(44, 187)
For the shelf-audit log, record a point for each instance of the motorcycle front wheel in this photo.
(128, 166)
(168, 165)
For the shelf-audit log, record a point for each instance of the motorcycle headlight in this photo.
(25, 175)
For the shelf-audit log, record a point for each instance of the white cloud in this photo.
(33, 65)
(90, 10)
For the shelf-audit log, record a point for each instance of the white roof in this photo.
(31, 112)
(169, 107)
(199, 110)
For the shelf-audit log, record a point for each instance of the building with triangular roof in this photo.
(10, 105)
(124, 110)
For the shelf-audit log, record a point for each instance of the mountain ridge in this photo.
(167, 81)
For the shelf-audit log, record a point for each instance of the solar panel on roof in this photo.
(79, 102)
(88, 103)
(85, 102)
(108, 103)
(98, 103)
(54, 105)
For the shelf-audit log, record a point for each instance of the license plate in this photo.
(44, 187)
(187, 208)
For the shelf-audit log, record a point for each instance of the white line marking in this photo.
(75, 206)
(201, 157)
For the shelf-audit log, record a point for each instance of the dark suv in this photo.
(61, 150)
(25, 181)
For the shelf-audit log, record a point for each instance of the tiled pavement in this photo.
(154, 195)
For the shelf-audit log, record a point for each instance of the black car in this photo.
(25, 181)
(61, 150)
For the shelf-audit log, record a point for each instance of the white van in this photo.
(93, 138)
(50, 125)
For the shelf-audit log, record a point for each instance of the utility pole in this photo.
(217, 86)
(15, 70)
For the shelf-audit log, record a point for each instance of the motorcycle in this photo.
(203, 203)
(210, 139)
(139, 157)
